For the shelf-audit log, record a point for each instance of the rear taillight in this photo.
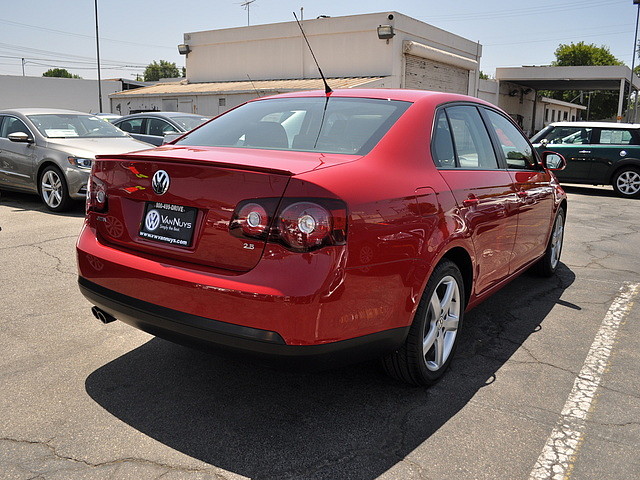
(253, 220)
(96, 195)
(301, 225)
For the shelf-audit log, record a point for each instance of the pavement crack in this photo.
(141, 461)
(41, 242)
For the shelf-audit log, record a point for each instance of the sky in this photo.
(61, 33)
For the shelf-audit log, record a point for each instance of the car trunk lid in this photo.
(189, 219)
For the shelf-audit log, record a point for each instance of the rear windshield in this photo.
(62, 125)
(316, 124)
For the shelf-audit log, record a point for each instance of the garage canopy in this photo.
(568, 78)
(573, 78)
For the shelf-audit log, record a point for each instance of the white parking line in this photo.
(559, 453)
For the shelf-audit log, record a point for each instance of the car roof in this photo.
(595, 124)
(161, 114)
(385, 94)
(43, 111)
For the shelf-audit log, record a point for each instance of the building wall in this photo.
(209, 105)
(489, 91)
(344, 46)
(50, 92)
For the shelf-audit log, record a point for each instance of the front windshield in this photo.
(189, 123)
(308, 124)
(63, 125)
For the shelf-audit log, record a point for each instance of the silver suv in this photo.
(49, 152)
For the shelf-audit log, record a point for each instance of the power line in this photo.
(113, 67)
(72, 34)
(557, 39)
(74, 62)
(538, 10)
(66, 56)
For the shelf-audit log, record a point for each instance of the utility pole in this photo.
(98, 59)
(23, 67)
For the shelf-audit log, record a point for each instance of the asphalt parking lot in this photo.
(81, 400)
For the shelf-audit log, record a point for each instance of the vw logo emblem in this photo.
(152, 221)
(160, 182)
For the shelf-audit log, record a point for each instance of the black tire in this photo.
(548, 264)
(411, 363)
(52, 186)
(626, 182)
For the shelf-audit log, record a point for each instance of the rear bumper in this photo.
(186, 328)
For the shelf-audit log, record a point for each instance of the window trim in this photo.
(498, 146)
(147, 124)
(478, 106)
(635, 137)
(143, 125)
(5, 115)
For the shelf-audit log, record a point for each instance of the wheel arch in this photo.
(616, 167)
(44, 164)
(462, 259)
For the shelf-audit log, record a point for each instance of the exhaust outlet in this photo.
(103, 316)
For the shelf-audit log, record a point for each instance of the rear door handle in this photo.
(584, 151)
(471, 201)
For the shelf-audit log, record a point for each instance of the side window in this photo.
(569, 135)
(471, 139)
(158, 127)
(12, 125)
(442, 145)
(616, 137)
(131, 126)
(515, 146)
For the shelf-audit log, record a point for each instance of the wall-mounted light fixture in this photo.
(183, 49)
(385, 32)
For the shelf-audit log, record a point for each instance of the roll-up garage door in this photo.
(425, 74)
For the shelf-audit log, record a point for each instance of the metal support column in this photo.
(535, 111)
(623, 83)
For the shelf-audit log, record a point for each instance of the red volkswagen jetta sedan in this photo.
(323, 226)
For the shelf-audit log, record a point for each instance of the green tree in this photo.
(59, 72)
(483, 76)
(162, 69)
(580, 54)
(604, 103)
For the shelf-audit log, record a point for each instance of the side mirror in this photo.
(20, 137)
(170, 137)
(553, 161)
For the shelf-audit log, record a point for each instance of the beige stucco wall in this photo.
(49, 92)
(344, 46)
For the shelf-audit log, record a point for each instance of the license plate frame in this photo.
(168, 223)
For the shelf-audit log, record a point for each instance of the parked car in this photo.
(596, 153)
(152, 127)
(50, 152)
(365, 230)
(108, 117)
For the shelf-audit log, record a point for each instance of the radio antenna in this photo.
(254, 87)
(327, 88)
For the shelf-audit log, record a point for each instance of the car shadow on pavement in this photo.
(591, 191)
(351, 423)
(31, 202)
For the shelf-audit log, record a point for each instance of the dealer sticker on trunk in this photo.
(164, 222)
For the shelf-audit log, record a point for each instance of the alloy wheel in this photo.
(52, 188)
(442, 323)
(628, 182)
(556, 241)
